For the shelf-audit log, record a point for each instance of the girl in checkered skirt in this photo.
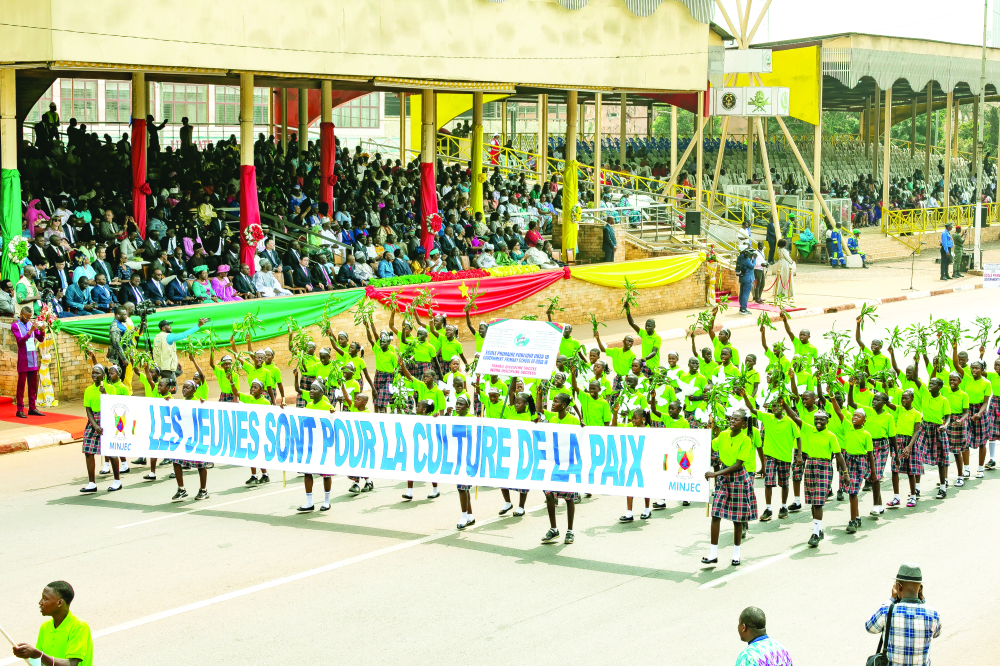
(860, 460)
(306, 369)
(92, 433)
(560, 415)
(933, 440)
(464, 497)
(164, 390)
(980, 423)
(187, 391)
(993, 434)
(734, 497)
(317, 401)
(906, 458)
(386, 364)
(958, 442)
(229, 380)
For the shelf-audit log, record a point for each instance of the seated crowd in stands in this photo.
(87, 255)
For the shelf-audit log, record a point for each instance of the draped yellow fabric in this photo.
(798, 70)
(449, 105)
(569, 225)
(477, 169)
(644, 274)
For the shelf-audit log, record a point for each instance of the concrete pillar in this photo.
(947, 151)
(817, 164)
(139, 95)
(246, 119)
(476, 157)
(954, 131)
(303, 119)
(700, 148)
(428, 133)
(8, 120)
(867, 124)
(503, 123)
(649, 122)
(887, 144)
(326, 101)
(402, 127)
(750, 140)
(597, 148)
(673, 142)
(928, 140)
(623, 130)
(876, 124)
(569, 233)
(543, 149)
(284, 120)
(975, 129)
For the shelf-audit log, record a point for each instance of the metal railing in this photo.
(909, 225)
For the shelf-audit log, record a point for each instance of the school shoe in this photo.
(911, 501)
(551, 535)
(942, 493)
(179, 495)
(851, 527)
(149, 477)
(877, 512)
(355, 489)
(659, 505)
(966, 473)
(105, 470)
(991, 464)
(434, 495)
(815, 539)
(685, 503)
(959, 482)
(407, 497)
(252, 481)
(324, 507)
(139, 461)
(979, 474)
(705, 560)
(569, 537)
(766, 516)
(783, 512)
(115, 486)
(893, 503)
(306, 509)
(461, 526)
(369, 486)
(626, 519)
(89, 488)
(518, 512)
(794, 506)
(504, 509)
(173, 475)
(840, 494)
(202, 494)
(264, 478)
(646, 514)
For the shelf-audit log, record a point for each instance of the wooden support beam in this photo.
(802, 164)
(767, 175)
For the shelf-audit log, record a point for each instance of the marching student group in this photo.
(807, 415)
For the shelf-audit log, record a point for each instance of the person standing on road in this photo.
(761, 649)
(759, 267)
(912, 623)
(165, 350)
(28, 334)
(947, 244)
(64, 639)
(745, 270)
(958, 263)
(609, 242)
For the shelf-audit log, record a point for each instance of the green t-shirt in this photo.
(201, 393)
(994, 380)
(806, 415)
(595, 412)
(424, 352)
(773, 361)
(70, 640)
(92, 398)
(568, 347)
(708, 369)
(494, 410)
(275, 373)
(148, 390)
(435, 339)
(450, 349)
(753, 382)
(977, 389)
(479, 342)
(648, 342)
(621, 360)
(857, 441)
(513, 415)
(957, 400)
(718, 346)
(697, 382)
(250, 400)
(432, 393)
(735, 448)
(879, 426)
(935, 409)
(779, 436)
(907, 420)
(224, 385)
(552, 417)
(876, 362)
(918, 393)
(386, 361)
(822, 444)
(807, 350)
(264, 375)
(664, 396)
(324, 403)
(118, 388)
(679, 423)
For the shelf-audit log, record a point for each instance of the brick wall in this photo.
(576, 296)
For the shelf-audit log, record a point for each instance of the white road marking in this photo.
(204, 507)
(753, 567)
(155, 617)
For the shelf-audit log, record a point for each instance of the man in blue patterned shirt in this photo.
(913, 624)
(762, 650)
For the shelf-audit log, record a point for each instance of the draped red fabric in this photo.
(428, 204)
(686, 101)
(249, 212)
(495, 293)
(327, 161)
(140, 188)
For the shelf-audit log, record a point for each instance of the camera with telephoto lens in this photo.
(145, 309)
(48, 285)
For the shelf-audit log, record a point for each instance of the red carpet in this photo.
(71, 424)
(770, 308)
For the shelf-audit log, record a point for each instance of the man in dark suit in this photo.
(243, 284)
(346, 275)
(271, 255)
(301, 276)
(53, 253)
(169, 243)
(179, 292)
(292, 259)
(155, 291)
(320, 276)
(36, 252)
(102, 267)
(64, 280)
(131, 292)
(231, 257)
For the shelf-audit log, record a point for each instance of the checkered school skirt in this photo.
(798, 473)
(818, 478)
(229, 397)
(193, 463)
(734, 497)
(305, 385)
(463, 487)
(322, 476)
(979, 430)
(656, 424)
(383, 380)
(994, 412)
(420, 367)
(912, 465)
(522, 491)
(934, 445)
(776, 472)
(91, 440)
(880, 449)
(563, 495)
(957, 440)
(857, 472)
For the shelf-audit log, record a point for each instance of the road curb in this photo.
(680, 333)
(35, 441)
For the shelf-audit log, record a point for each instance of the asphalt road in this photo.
(242, 579)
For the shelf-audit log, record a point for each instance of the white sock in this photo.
(326, 497)
(409, 493)
(817, 526)
(470, 517)
(768, 507)
(628, 514)
(463, 520)
(507, 506)
(123, 467)
(90, 485)
(784, 506)
(116, 484)
(895, 496)
(798, 500)
(106, 468)
(736, 553)
(917, 487)
(713, 551)
(982, 468)
(993, 449)
(309, 499)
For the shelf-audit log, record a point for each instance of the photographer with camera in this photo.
(25, 291)
(906, 623)
(745, 262)
(165, 350)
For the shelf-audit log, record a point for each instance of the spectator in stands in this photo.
(347, 276)
(486, 258)
(301, 277)
(271, 255)
(222, 286)
(243, 283)
(266, 284)
(155, 291)
(6, 298)
(385, 269)
(609, 242)
(104, 298)
(201, 287)
(132, 292)
(399, 264)
(321, 278)
(78, 298)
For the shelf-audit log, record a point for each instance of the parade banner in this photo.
(640, 462)
(520, 348)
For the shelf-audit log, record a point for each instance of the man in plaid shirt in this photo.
(913, 624)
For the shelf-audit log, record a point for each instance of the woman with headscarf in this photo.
(33, 214)
(201, 287)
(223, 287)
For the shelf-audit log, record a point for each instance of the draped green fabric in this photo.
(10, 219)
(272, 312)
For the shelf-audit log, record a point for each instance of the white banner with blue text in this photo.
(640, 462)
